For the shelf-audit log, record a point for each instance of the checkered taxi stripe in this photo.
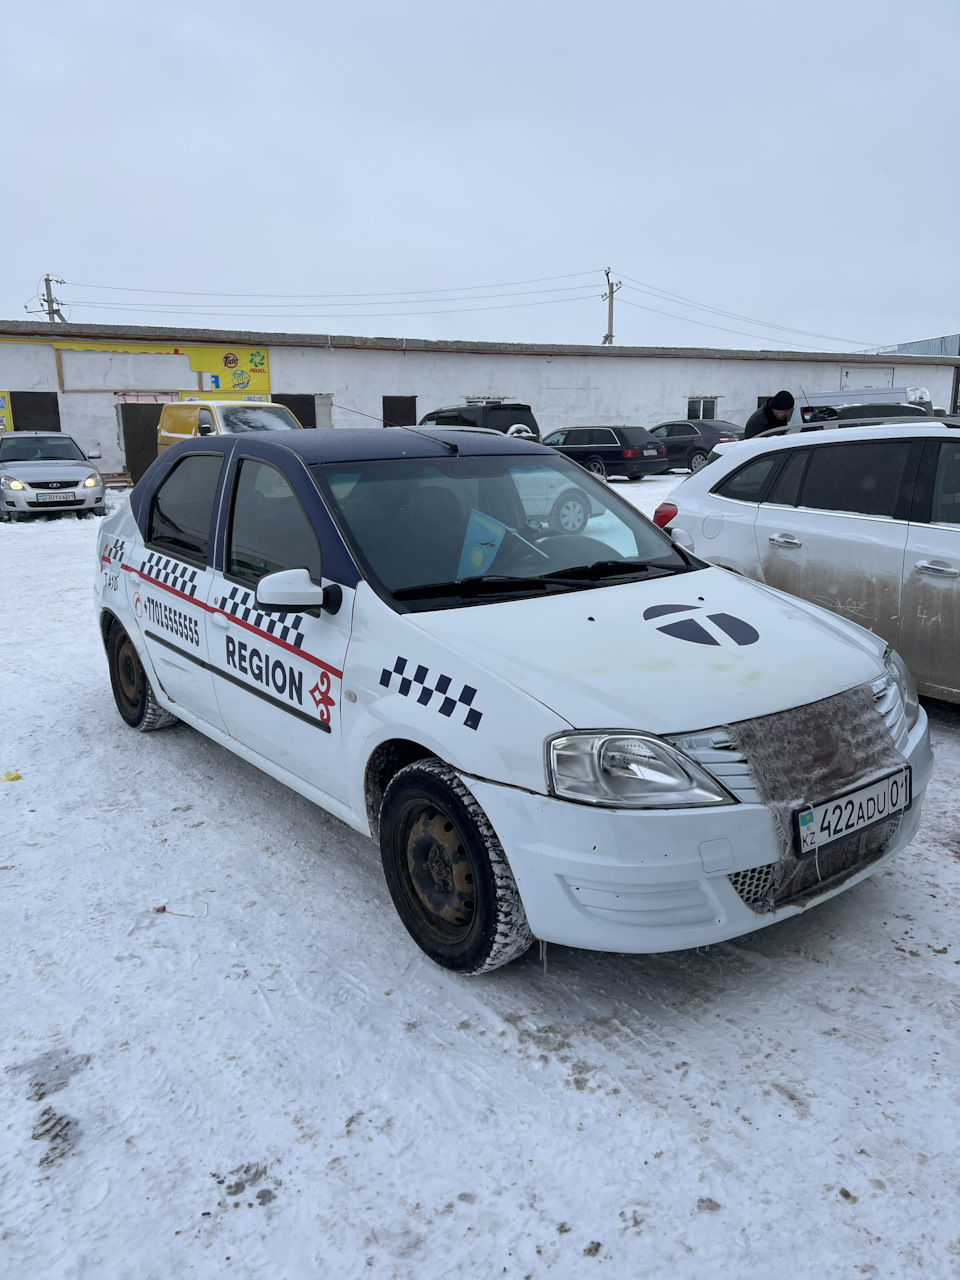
(282, 626)
(426, 690)
(114, 550)
(171, 573)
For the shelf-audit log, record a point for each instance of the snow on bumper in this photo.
(654, 880)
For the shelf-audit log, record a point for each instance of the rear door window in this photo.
(785, 490)
(747, 484)
(946, 486)
(861, 479)
(182, 507)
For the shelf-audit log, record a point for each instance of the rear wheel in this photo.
(447, 873)
(570, 513)
(595, 465)
(131, 689)
(698, 459)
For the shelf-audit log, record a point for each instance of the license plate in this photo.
(649, 453)
(56, 497)
(824, 824)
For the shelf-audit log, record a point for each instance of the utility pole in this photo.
(48, 303)
(52, 304)
(611, 290)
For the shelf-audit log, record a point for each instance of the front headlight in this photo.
(8, 482)
(628, 771)
(91, 481)
(904, 682)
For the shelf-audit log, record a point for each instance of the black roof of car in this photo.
(720, 423)
(367, 444)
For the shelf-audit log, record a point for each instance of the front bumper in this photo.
(28, 501)
(654, 880)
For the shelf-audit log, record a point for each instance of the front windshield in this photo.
(443, 530)
(239, 418)
(39, 449)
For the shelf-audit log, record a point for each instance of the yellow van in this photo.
(221, 418)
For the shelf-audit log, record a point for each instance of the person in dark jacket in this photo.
(774, 413)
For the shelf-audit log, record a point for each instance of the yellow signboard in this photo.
(6, 413)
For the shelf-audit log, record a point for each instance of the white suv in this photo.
(865, 524)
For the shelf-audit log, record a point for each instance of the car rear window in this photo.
(637, 435)
(862, 478)
(257, 417)
(182, 507)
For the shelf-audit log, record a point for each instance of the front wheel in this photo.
(570, 513)
(447, 873)
(698, 459)
(595, 467)
(131, 689)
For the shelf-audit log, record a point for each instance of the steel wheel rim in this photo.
(441, 883)
(129, 675)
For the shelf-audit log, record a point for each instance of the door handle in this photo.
(937, 569)
(221, 620)
(784, 540)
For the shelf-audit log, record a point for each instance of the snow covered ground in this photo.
(267, 1079)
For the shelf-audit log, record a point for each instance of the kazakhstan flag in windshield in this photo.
(480, 544)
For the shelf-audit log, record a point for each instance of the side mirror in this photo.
(294, 589)
(94, 453)
(205, 429)
(682, 539)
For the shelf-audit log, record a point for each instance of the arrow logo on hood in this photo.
(692, 630)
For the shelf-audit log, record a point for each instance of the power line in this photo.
(360, 315)
(762, 337)
(665, 296)
(316, 297)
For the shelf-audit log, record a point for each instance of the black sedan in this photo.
(613, 451)
(689, 441)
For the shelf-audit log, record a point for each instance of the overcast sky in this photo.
(794, 164)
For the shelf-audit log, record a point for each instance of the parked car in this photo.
(903, 416)
(613, 451)
(44, 471)
(689, 441)
(220, 417)
(369, 617)
(865, 523)
(495, 415)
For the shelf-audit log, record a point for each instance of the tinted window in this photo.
(557, 437)
(636, 435)
(861, 478)
(746, 485)
(579, 436)
(602, 435)
(183, 507)
(502, 419)
(946, 486)
(269, 529)
(681, 429)
(453, 420)
(785, 490)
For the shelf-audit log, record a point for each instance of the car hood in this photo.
(671, 655)
(56, 469)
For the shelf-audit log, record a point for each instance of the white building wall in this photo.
(92, 419)
(565, 390)
(27, 366)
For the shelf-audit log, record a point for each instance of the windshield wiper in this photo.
(483, 584)
(606, 569)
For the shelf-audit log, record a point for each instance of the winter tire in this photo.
(570, 513)
(131, 689)
(447, 873)
(698, 459)
(595, 467)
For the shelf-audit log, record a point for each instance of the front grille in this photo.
(56, 506)
(51, 484)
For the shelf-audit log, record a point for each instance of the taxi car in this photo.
(590, 738)
(45, 471)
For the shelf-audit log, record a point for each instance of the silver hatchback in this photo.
(44, 471)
